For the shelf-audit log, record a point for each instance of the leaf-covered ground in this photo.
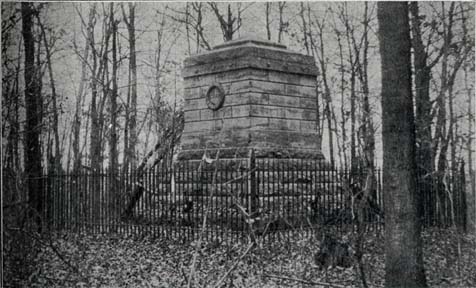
(107, 261)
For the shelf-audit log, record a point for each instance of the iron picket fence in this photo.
(232, 198)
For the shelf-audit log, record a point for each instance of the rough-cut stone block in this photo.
(198, 126)
(268, 111)
(259, 122)
(193, 115)
(194, 93)
(266, 87)
(283, 124)
(261, 58)
(226, 77)
(241, 111)
(309, 103)
(296, 79)
(308, 126)
(299, 90)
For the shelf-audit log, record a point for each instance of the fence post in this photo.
(252, 205)
(463, 209)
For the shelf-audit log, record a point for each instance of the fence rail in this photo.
(237, 197)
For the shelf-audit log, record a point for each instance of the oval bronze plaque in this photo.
(215, 97)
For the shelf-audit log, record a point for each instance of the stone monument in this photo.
(250, 93)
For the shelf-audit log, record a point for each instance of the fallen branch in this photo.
(233, 266)
(305, 281)
(163, 146)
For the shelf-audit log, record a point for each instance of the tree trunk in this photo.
(228, 24)
(97, 105)
(368, 130)
(304, 28)
(113, 95)
(342, 99)
(57, 157)
(353, 61)
(170, 137)
(328, 110)
(268, 30)
(113, 154)
(281, 22)
(130, 143)
(32, 158)
(187, 27)
(471, 207)
(423, 104)
(443, 133)
(403, 244)
(77, 113)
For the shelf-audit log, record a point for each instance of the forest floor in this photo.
(107, 261)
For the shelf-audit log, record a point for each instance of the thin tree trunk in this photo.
(313, 49)
(57, 157)
(368, 128)
(113, 95)
(187, 28)
(32, 159)
(342, 99)
(422, 100)
(130, 136)
(469, 148)
(304, 28)
(268, 30)
(81, 91)
(97, 105)
(281, 6)
(443, 136)
(353, 60)
(113, 138)
(327, 92)
(423, 118)
(403, 243)
(158, 54)
(440, 128)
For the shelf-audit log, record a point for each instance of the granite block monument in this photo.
(250, 93)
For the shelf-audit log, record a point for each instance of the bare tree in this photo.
(422, 98)
(192, 17)
(268, 21)
(113, 95)
(304, 28)
(54, 108)
(403, 244)
(229, 24)
(322, 61)
(282, 25)
(353, 60)
(130, 133)
(82, 88)
(469, 147)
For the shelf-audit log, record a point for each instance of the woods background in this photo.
(106, 83)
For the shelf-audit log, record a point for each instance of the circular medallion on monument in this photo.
(215, 97)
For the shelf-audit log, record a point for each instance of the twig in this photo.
(184, 274)
(305, 281)
(204, 224)
(233, 266)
